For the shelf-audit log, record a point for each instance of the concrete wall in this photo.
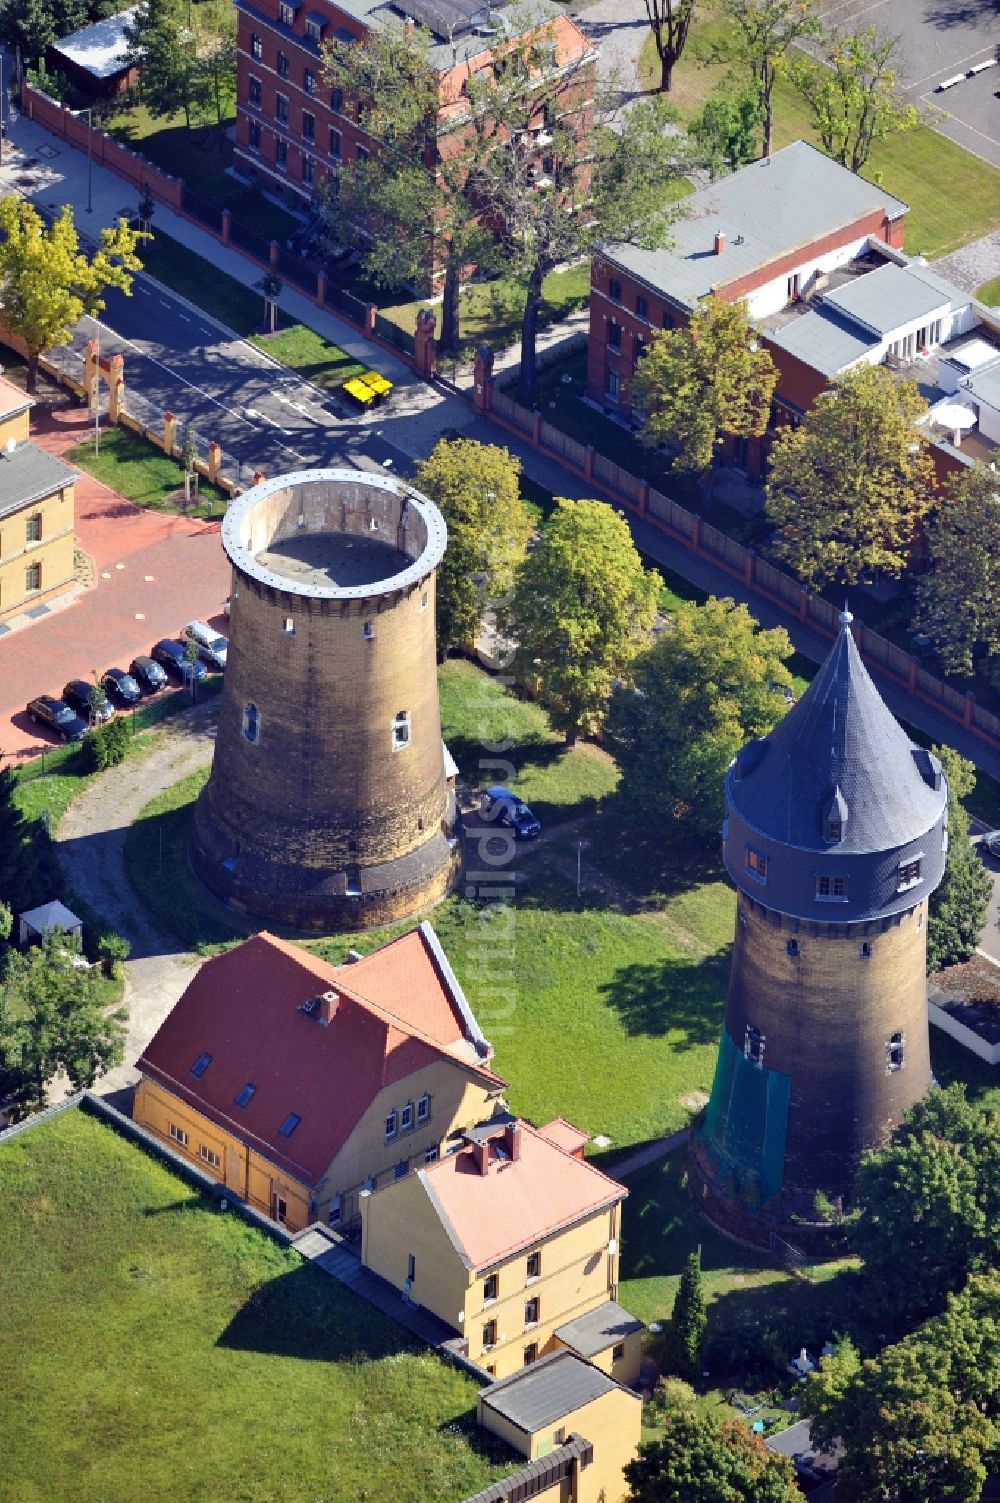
(989, 1053)
(54, 552)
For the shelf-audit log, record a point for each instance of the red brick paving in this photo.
(189, 578)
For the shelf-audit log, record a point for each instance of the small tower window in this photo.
(865, 949)
(756, 864)
(909, 874)
(792, 947)
(368, 631)
(251, 724)
(834, 829)
(289, 626)
(753, 1046)
(831, 889)
(895, 1053)
(401, 730)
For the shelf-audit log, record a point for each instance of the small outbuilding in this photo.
(96, 58)
(37, 922)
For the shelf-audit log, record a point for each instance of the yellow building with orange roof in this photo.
(512, 1241)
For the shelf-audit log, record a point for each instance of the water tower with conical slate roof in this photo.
(835, 836)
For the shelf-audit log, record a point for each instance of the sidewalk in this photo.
(56, 174)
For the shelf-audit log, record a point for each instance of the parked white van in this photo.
(210, 644)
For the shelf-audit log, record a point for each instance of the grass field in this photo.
(493, 310)
(156, 1347)
(989, 292)
(954, 197)
(137, 470)
(314, 357)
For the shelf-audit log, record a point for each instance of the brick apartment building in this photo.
(292, 130)
(816, 252)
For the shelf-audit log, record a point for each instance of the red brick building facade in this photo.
(292, 129)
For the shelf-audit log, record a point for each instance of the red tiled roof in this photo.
(518, 1202)
(244, 1009)
(564, 1135)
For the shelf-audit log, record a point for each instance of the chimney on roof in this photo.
(513, 1141)
(326, 1009)
(481, 1155)
(720, 242)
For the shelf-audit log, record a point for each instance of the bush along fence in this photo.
(270, 255)
(755, 573)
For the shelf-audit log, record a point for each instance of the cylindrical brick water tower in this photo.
(328, 805)
(835, 837)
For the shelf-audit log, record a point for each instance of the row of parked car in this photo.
(79, 708)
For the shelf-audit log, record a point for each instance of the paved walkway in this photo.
(648, 1154)
(91, 848)
(973, 264)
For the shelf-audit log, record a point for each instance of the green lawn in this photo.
(140, 472)
(989, 292)
(314, 357)
(183, 270)
(202, 157)
(156, 1347)
(954, 197)
(493, 310)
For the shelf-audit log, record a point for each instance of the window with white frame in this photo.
(406, 1118)
(401, 730)
(831, 889)
(211, 1158)
(391, 1126)
(178, 1134)
(424, 1109)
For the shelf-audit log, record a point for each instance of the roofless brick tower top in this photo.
(835, 836)
(328, 805)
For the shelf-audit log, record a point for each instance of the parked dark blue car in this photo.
(502, 807)
(172, 655)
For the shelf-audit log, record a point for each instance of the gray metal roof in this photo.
(840, 739)
(765, 210)
(985, 385)
(548, 1390)
(892, 296)
(598, 1329)
(101, 49)
(29, 474)
(823, 340)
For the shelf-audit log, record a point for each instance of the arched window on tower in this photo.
(251, 723)
(895, 1053)
(401, 730)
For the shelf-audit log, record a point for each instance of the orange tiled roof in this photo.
(12, 398)
(519, 1201)
(564, 1135)
(244, 1010)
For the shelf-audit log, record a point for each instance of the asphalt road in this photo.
(178, 360)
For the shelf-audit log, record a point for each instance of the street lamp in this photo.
(89, 112)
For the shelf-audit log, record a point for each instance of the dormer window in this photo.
(909, 874)
(830, 889)
(834, 830)
(835, 818)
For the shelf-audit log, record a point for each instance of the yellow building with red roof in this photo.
(297, 1083)
(511, 1239)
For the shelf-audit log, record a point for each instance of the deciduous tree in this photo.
(764, 31)
(958, 908)
(16, 861)
(707, 685)
(669, 23)
(698, 1460)
(414, 195)
(917, 1422)
(848, 487)
(929, 1208)
(581, 606)
(728, 128)
(957, 598)
(853, 94)
(53, 1018)
(216, 59)
(699, 382)
(476, 486)
(161, 46)
(47, 283)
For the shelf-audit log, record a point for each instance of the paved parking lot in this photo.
(937, 39)
(154, 572)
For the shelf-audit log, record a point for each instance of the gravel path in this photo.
(91, 847)
(973, 264)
